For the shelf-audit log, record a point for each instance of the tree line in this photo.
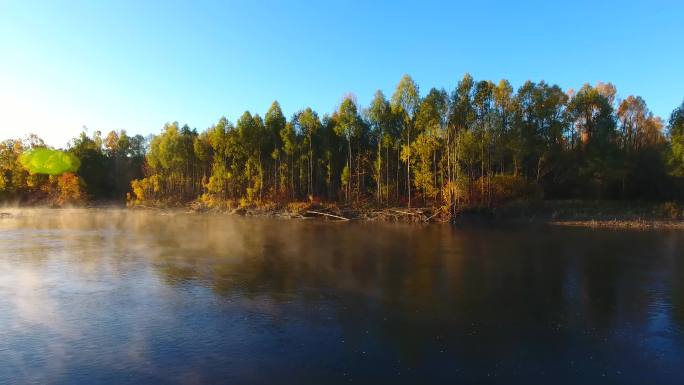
(107, 166)
(480, 144)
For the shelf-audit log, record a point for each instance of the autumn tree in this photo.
(429, 125)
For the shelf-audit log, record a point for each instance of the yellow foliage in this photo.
(146, 189)
(67, 188)
(297, 207)
(213, 201)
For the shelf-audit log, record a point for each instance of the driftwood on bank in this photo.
(406, 212)
(437, 212)
(327, 215)
(306, 210)
(396, 214)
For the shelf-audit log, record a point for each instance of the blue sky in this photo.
(135, 65)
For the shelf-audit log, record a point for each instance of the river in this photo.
(141, 297)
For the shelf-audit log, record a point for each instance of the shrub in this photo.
(67, 188)
(671, 210)
(146, 189)
(507, 188)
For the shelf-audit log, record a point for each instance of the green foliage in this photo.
(349, 126)
(676, 153)
(348, 120)
(168, 151)
(380, 120)
(406, 98)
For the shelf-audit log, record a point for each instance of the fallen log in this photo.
(405, 212)
(433, 215)
(327, 215)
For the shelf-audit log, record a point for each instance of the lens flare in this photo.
(47, 161)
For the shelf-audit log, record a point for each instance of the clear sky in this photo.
(135, 65)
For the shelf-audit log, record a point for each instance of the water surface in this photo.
(132, 297)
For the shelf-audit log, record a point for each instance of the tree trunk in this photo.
(408, 167)
(434, 170)
(387, 174)
(379, 170)
(349, 168)
(358, 175)
(482, 167)
(398, 169)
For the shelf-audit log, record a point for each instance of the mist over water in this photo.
(129, 297)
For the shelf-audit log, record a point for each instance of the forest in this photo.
(482, 144)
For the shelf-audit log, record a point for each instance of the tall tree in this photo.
(380, 120)
(275, 124)
(405, 102)
(289, 139)
(429, 120)
(592, 114)
(309, 124)
(349, 127)
(461, 120)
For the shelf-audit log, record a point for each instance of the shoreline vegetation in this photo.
(480, 152)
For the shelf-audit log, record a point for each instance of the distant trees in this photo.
(15, 180)
(21, 184)
(481, 144)
(109, 164)
(172, 166)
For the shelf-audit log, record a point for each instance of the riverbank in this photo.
(622, 224)
(597, 214)
(575, 213)
(571, 213)
(315, 210)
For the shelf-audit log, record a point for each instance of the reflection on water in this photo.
(105, 296)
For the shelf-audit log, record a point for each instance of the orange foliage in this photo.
(66, 189)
